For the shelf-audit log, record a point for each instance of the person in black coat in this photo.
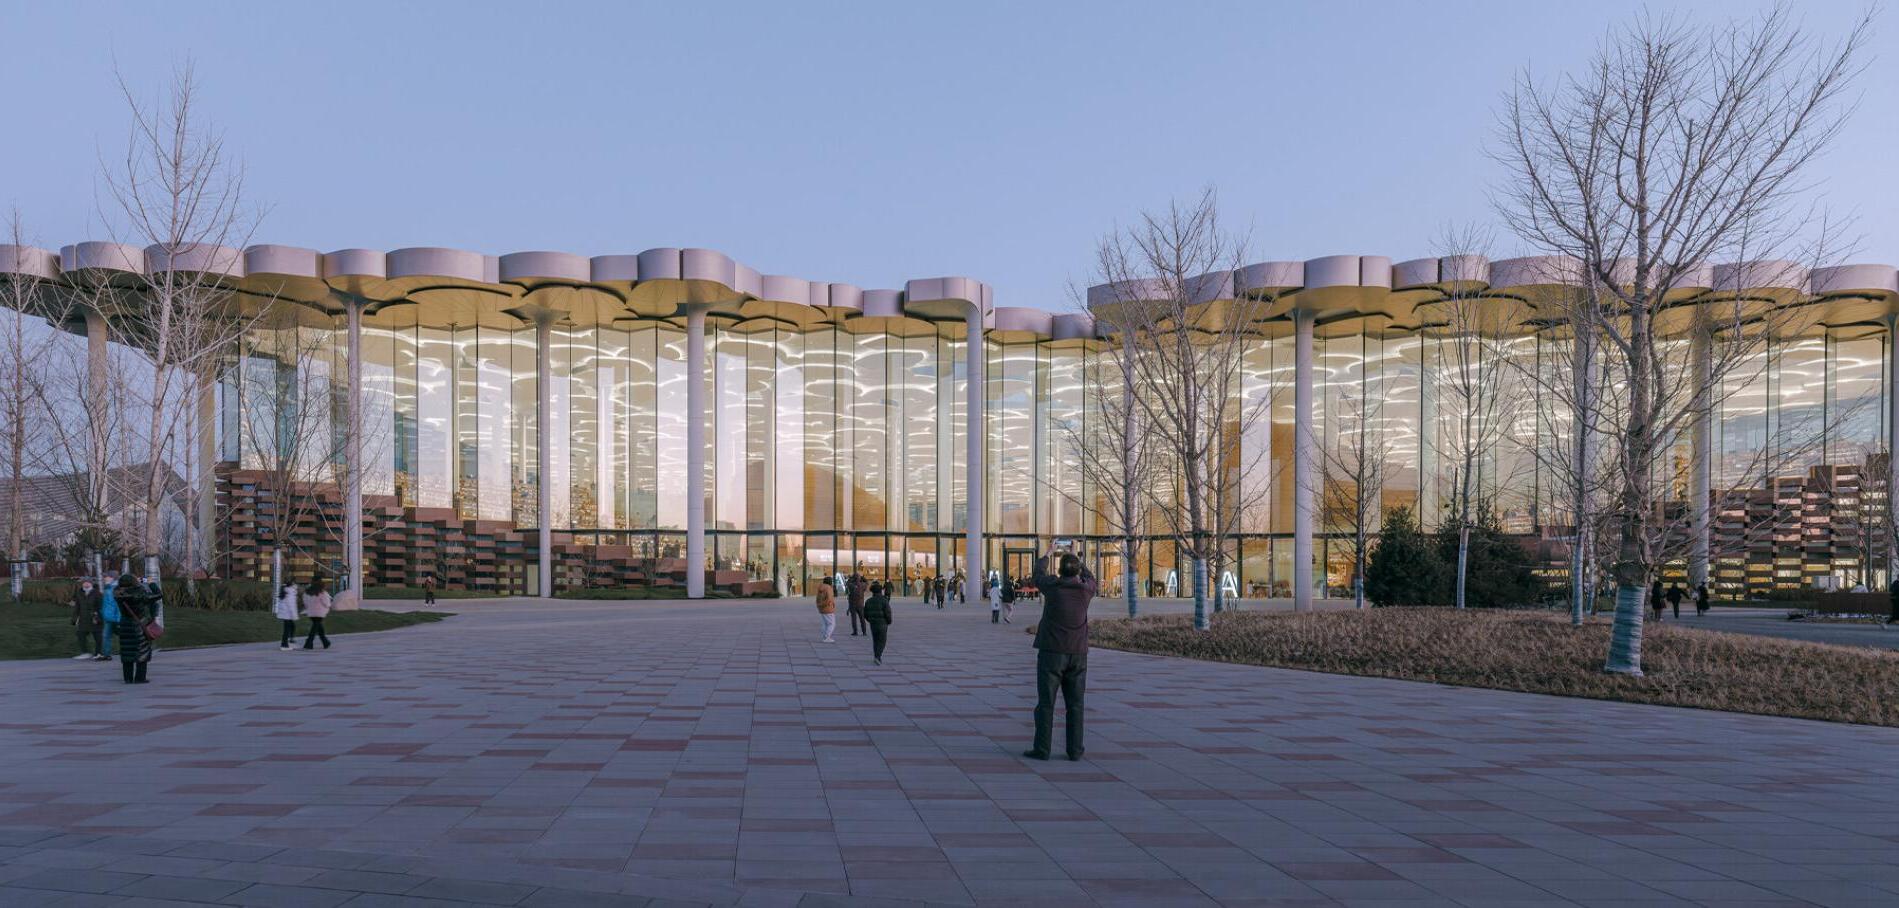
(1701, 599)
(1061, 643)
(854, 590)
(87, 622)
(1675, 595)
(138, 607)
(877, 616)
(1655, 594)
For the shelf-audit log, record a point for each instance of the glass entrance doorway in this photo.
(1018, 564)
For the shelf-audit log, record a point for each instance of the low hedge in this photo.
(208, 595)
(664, 592)
(416, 592)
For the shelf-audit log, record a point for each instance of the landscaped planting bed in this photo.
(1540, 652)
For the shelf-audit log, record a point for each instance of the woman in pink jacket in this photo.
(316, 604)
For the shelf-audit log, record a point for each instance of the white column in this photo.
(1304, 462)
(1701, 433)
(353, 458)
(544, 449)
(977, 363)
(695, 451)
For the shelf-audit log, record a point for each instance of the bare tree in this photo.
(21, 360)
(1353, 467)
(178, 193)
(1676, 147)
(1116, 457)
(287, 377)
(80, 399)
(1167, 287)
(1480, 426)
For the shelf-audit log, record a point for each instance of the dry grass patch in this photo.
(1540, 653)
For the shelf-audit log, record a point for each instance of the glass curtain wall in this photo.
(837, 448)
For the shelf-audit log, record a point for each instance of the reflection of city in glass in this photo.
(832, 448)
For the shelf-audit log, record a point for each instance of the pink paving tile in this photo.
(248, 810)
(1337, 871)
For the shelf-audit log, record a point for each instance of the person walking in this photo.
(1655, 595)
(959, 588)
(316, 604)
(86, 621)
(854, 592)
(877, 616)
(1701, 599)
(428, 589)
(1675, 595)
(1061, 645)
(827, 611)
(286, 611)
(940, 584)
(994, 595)
(138, 611)
(1010, 590)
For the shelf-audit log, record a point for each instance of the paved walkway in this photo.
(561, 753)
(1774, 623)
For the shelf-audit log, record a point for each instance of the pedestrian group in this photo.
(127, 614)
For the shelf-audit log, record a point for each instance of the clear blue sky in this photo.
(867, 143)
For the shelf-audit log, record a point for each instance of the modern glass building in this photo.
(541, 420)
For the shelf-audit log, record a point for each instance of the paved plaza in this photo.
(544, 753)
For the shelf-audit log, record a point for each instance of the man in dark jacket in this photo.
(87, 623)
(854, 590)
(1061, 643)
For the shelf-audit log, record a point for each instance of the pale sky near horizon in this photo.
(867, 143)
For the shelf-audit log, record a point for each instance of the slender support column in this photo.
(1701, 434)
(353, 460)
(544, 451)
(977, 363)
(1304, 462)
(98, 418)
(1892, 452)
(205, 436)
(695, 452)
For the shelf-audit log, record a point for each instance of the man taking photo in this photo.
(1061, 643)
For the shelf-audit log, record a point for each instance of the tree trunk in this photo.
(1200, 622)
(1463, 560)
(1576, 580)
(1128, 580)
(1632, 568)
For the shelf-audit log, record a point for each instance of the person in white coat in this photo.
(316, 604)
(288, 600)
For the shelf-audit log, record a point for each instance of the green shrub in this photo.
(1403, 569)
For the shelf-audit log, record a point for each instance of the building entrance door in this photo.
(1018, 564)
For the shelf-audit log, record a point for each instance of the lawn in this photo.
(42, 631)
(1541, 653)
